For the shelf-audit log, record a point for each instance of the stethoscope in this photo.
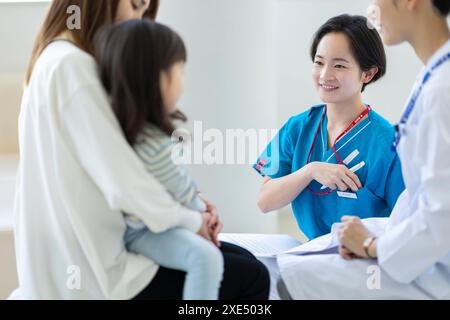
(358, 119)
(400, 127)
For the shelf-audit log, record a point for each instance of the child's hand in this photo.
(204, 228)
(215, 225)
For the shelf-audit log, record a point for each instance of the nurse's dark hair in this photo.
(131, 56)
(366, 44)
(442, 7)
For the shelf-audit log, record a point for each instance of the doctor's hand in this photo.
(352, 234)
(215, 224)
(345, 253)
(334, 176)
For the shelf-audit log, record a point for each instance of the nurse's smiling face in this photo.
(336, 74)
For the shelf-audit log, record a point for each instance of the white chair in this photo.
(10, 93)
(8, 275)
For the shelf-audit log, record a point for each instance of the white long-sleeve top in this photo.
(416, 245)
(77, 174)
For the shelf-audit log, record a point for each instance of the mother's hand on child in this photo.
(352, 234)
(215, 224)
(204, 228)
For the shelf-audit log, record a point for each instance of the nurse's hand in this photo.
(352, 234)
(334, 176)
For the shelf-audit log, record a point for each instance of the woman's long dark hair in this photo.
(131, 56)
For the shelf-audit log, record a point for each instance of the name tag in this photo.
(348, 195)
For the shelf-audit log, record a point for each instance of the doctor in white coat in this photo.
(411, 258)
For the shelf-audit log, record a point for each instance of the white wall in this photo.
(19, 24)
(231, 83)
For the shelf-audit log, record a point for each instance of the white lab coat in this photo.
(76, 175)
(414, 250)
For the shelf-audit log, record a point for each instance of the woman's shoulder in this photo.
(383, 133)
(63, 58)
(381, 125)
(64, 70)
(296, 123)
(305, 116)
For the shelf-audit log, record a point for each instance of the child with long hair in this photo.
(141, 64)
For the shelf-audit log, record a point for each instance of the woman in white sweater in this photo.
(78, 174)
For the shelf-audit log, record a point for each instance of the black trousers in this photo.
(244, 278)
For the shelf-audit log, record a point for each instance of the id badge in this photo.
(348, 195)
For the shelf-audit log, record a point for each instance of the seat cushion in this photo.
(8, 172)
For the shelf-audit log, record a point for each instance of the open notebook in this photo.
(272, 245)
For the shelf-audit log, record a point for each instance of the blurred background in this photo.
(248, 68)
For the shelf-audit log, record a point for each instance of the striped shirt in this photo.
(155, 149)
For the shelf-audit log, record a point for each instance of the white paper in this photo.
(261, 245)
(319, 244)
(272, 245)
(330, 241)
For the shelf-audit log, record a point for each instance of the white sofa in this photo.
(8, 275)
(10, 93)
(20, 22)
(8, 169)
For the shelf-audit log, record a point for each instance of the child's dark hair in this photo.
(442, 6)
(366, 44)
(131, 56)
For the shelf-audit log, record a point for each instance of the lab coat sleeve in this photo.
(95, 137)
(422, 239)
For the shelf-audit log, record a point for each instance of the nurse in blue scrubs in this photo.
(335, 159)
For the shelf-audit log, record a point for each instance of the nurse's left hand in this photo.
(352, 234)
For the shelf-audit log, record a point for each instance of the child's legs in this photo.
(183, 250)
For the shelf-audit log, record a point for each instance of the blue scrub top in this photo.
(381, 176)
